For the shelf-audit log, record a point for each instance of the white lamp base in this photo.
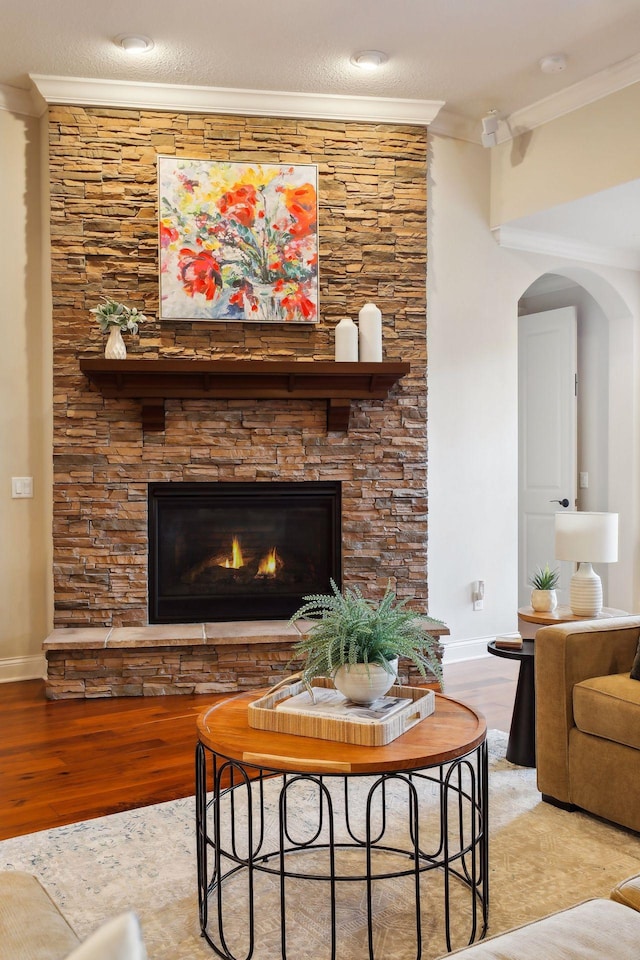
(585, 592)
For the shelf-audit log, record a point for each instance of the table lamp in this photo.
(586, 538)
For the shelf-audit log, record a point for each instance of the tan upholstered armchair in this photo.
(588, 717)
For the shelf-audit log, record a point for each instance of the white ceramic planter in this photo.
(115, 348)
(364, 683)
(544, 601)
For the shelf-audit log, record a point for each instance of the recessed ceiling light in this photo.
(134, 44)
(369, 59)
(554, 63)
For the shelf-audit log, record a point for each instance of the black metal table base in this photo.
(380, 828)
(521, 748)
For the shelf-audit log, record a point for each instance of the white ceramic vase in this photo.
(370, 329)
(115, 348)
(364, 683)
(544, 601)
(347, 341)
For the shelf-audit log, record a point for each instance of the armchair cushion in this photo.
(609, 707)
(591, 931)
(117, 939)
(628, 892)
(31, 926)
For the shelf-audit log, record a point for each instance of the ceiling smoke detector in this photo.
(134, 44)
(554, 63)
(369, 59)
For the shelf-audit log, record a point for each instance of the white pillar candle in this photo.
(370, 324)
(347, 341)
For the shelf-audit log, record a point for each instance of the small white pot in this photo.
(544, 601)
(364, 683)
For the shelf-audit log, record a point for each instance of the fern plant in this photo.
(545, 578)
(350, 629)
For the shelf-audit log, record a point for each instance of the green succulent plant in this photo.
(350, 629)
(544, 578)
(110, 313)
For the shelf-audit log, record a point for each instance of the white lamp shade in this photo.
(582, 536)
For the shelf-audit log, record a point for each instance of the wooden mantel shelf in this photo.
(154, 381)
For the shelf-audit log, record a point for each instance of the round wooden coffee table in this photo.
(249, 817)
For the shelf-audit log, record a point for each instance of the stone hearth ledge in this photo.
(168, 658)
(88, 662)
(173, 634)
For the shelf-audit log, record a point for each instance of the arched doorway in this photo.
(605, 404)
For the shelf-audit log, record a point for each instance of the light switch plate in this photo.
(21, 487)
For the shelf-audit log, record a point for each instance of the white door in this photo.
(547, 423)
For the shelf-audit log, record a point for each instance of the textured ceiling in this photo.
(473, 54)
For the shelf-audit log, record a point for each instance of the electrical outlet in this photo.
(584, 480)
(477, 594)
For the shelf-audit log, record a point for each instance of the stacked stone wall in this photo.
(137, 672)
(372, 228)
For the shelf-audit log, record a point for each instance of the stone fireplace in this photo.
(372, 228)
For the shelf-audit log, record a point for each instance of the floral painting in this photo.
(238, 241)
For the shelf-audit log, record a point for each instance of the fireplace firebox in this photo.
(240, 551)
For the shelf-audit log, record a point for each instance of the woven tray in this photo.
(264, 715)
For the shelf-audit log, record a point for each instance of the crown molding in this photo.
(14, 100)
(532, 241)
(274, 103)
(449, 124)
(263, 103)
(580, 94)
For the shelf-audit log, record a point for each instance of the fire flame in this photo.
(236, 560)
(268, 564)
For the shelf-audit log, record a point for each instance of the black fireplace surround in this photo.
(240, 551)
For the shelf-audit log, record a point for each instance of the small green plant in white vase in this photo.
(353, 637)
(543, 594)
(115, 319)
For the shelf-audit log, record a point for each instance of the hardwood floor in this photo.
(68, 760)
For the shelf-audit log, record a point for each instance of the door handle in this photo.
(563, 503)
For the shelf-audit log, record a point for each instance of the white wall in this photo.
(580, 153)
(473, 290)
(25, 378)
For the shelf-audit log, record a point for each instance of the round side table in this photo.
(561, 614)
(521, 748)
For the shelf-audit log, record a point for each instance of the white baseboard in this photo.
(22, 668)
(455, 651)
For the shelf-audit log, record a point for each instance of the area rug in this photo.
(541, 859)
